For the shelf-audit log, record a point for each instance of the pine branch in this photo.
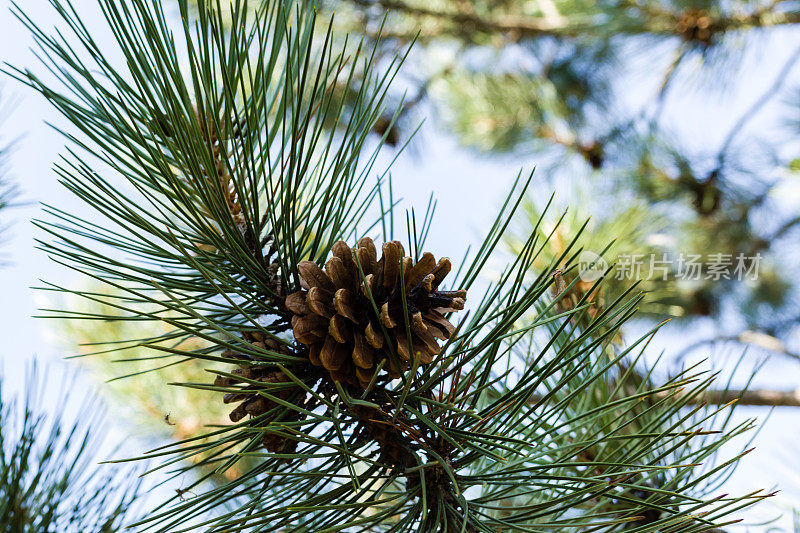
(752, 111)
(527, 26)
(753, 397)
(658, 21)
(756, 339)
(760, 397)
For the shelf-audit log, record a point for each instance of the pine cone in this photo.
(335, 318)
(254, 404)
(378, 426)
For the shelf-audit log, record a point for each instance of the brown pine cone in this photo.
(380, 428)
(252, 403)
(346, 334)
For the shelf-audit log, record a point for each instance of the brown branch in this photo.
(755, 397)
(750, 338)
(759, 397)
(669, 76)
(528, 26)
(662, 22)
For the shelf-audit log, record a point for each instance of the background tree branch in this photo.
(656, 21)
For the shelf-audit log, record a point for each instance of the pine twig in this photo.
(755, 397)
(758, 104)
(752, 338)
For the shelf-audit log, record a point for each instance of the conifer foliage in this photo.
(232, 196)
(49, 478)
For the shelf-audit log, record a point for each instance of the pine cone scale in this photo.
(345, 305)
(339, 329)
(339, 275)
(319, 302)
(343, 252)
(418, 272)
(441, 271)
(362, 353)
(392, 254)
(374, 338)
(418, 323)
(440, 324)
(309, 329)
(333, 354)
(367, 256)
(311, 275)
(386, 317)
(296, 303)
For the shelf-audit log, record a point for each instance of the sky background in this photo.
(467, 186)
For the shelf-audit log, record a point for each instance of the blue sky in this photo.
(466, 185)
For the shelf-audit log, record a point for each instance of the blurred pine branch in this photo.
(550, 78)
(49, 478)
